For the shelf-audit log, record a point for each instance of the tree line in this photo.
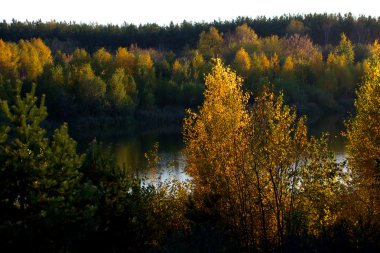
(317, 79)
(323, 29)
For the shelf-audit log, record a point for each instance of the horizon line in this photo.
(125, 23)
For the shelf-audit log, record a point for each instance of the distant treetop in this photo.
(322, 29)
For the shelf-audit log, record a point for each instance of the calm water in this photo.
(130, 147)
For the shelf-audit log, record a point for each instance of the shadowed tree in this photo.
(40, 178)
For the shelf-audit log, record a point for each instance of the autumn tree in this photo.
(102, 62)
(277, 142)
(43, 51)
(89, 88)
(79, 57)
(260, 64)
(363, 135)
(270, 45)
(288, 68)
(54, 83)
(244, 37)
(34, 55)
(242, 62)
(178, 74)
(295, 27)
(30, 65)
(145, 78)
(125, 59)
(323, 185)
(210, 43)
(345, 49)
(301, 48)
(56, 75)
(121, 91)
(215, 140)
(256, 166)
(9, 59)
(340, 62)
(198, 65)
(274, 66)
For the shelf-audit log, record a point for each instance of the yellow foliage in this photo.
(288, 65)
(80, 56)
(244, 37)
(31, 65)
(242, 62)
(197, 61)
(210, 43)
(345, 49)
(9, 58)
(125, 60)
(271, 45)
(145, 70)
(213, 135)
(43, 51)
(363, 135)
(255, 166)
(265, 63)
(102, 62)
(198, 64)
(176, 66)
(274, 63)
(144, 62)
(180, 72)
(375, 49)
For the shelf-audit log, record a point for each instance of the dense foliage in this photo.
(317, 78)
(54, 199)
(259, 181)
(257, 168)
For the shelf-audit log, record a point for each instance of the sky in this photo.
(163, 11)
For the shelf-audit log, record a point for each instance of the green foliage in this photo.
(121, 91)
(345, 49)
(54, 199)
(210, 43)
(132, 213)
(102, 62)
(84, 84)
(80, 57)
(39, 177)
(91, 89)
(323, 29)
(258, 181)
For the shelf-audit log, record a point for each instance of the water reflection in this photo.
(334, 126)
(130, 147)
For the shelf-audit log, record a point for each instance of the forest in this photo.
(244, 91)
